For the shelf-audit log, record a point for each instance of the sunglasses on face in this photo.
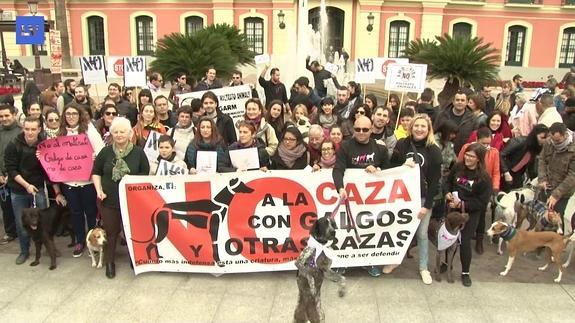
(361, 129)
(361, 112)
(110, 113)
(71, 114)
(53, 120)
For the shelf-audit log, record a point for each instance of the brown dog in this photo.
(42, 225)
(454, 222)
(95, 241)
(524, 241)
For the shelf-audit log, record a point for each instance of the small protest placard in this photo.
(332, 68)
(365, 70)
(206, 162)
(406, 77)
(381, 64)
(93, 69)
(135, 71)
(167, 168)
(262, 59)
(245, 159)
(151, 147)
(67, 158)
(115, 67)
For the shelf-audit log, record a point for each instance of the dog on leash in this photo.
(95, 241)
(42, 225)
(508, 206)
(444, 235)
(523, 241)
(313, 265)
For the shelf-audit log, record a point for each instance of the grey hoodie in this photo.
(7, 134)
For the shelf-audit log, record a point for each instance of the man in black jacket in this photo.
(26, 179)
(319, 76)
(224, 122)
(209, 82)
(461, 115)
(9, 129)
(273, 89)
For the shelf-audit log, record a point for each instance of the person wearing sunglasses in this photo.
(52, 123)
(237, 81)
(103, 124)
(80, 194)
(356, 112)
(179, 86)
(359, 152)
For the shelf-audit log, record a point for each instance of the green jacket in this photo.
(558, 169)
(7, 134)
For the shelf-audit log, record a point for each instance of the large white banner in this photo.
(255, 221)
(406, 77)
(232, 100)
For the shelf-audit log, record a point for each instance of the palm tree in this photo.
(458, 60)
(62, 26)
(222, 46)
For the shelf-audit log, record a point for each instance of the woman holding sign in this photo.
(80, 194)
(248, 139)
(167, 152)
(207, 139)
(148, 121)
(112, 163)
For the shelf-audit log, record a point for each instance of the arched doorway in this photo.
(334, 34)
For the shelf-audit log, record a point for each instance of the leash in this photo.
(34, 201)
(349, 217)
(3, 193)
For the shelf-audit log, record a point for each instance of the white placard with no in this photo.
(406, 77)
(135, 71)
(151, 147)
(166, 168)
(245, 159)
(93, 69)
(262, 59)
(206, 162)
(365, 70)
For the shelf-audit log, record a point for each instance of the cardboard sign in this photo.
(262, 59)
(93, 69)
(115, 67)
(245, 159)
(135, 71)
(167, 168)
(151, 147)
(406, 77)
(67, 158)
(206, 162)
(365, 70)
(260, 221)
(381, 64)
(30, 30)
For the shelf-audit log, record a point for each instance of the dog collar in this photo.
(509, 233)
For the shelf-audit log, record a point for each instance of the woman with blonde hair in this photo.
(148, 121)
(420, 146)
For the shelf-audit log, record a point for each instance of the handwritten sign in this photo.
(406, 77)
(365, 70)
(67, 158)
(135, 71)
(262, 59)
(206, 162)
(245, 159)
(167, 168)
(55, 52)
(93, 69)
(151, 147)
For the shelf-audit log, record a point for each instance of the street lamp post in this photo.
(4, 57)
(33, 7)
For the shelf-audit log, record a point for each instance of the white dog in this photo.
(95, 241)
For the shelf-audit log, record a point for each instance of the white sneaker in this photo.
(426, 277)
(387, 269)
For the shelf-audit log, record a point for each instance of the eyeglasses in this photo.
(236, 77)
(290, 139)
(361, 129)
(109, 113)
(360, 112)
(327, 149)
(128, 93)
(53, 120)
(71, 114)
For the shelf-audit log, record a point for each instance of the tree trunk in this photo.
(62, 26)
(448, 93)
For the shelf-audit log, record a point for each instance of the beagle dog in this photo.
(95, 241)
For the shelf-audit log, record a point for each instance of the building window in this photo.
(462, 29)
(567, 55)
(515, 45)
(145, 35)
(96, 35)
(193, 24)
(254, 30)
(398, 38)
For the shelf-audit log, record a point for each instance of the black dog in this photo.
(454, 223)
(202, 214)
(313, 264)
(42, 225)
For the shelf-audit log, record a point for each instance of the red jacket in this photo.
(491, 164)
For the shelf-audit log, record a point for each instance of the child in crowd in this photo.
(167, 152)
(405, 116)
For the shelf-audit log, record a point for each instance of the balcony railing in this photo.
(525, 1)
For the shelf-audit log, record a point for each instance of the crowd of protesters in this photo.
(468, 149)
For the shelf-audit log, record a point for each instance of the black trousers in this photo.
(466, 235)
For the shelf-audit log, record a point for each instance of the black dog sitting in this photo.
(313, 264)
(42, 225)
(449, 235)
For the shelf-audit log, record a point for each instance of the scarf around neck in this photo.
(327, 163)
(327, 121)
(563, 146)
(120, 166)
(290, 156)
(170, 158)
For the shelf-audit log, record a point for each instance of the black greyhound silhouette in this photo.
(194, 212)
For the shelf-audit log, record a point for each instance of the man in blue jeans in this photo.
(26, 179)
